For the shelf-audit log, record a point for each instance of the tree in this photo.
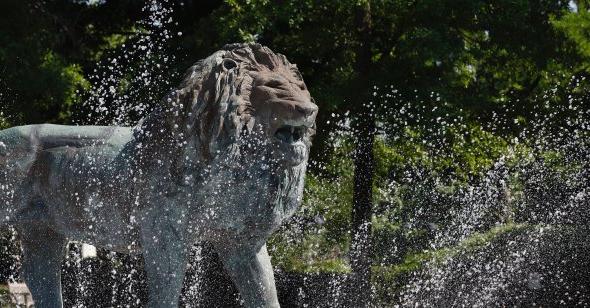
(364, 161)
(38, 84)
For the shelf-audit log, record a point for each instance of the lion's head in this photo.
(242, 98)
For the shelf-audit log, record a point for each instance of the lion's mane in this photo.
(210, 109)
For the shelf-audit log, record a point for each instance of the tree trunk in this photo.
(360, 254)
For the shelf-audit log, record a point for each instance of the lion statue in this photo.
(222, 159)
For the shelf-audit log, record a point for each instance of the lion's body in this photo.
(75, 180)
(200, 169)
(66, 177)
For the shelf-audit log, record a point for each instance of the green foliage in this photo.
(3, 122)
(46, 91)
(67, 79)
(111, 42)
(464, 151)
(576, 27)
(38, 84)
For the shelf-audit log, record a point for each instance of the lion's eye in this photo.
(228, 64)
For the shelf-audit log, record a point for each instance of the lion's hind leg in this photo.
(43, 252)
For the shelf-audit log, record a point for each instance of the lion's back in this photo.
(25, 139)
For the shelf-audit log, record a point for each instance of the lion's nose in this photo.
(307, 109)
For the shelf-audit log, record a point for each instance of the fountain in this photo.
(509, 231)
(222, 159)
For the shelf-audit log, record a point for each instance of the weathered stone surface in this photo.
(221, 159)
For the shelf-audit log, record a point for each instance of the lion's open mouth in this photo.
(290, 134)
(290, 146)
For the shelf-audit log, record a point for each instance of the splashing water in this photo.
(127, 84)
(511, 234)
(517, 238)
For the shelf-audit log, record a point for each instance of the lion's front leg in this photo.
(165, 251)
(252, 273)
